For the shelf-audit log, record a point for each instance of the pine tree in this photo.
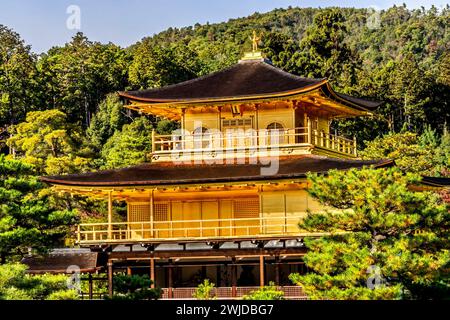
(28, 218)
(386, 239)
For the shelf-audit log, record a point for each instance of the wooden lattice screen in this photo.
(139, 212)
(246, 208)
(161, 211)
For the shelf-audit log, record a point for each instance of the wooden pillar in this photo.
(355, 151)
(261, 214)
(233, 278)
(170, 280)
(261, 271)
(309, 131)
(129, 271)
(152, 213)
(183, 119)
(218, 275)
(110, 279)
(152, 272)
(110, 215)
(91, 288)
(277, 270)
(153, 141)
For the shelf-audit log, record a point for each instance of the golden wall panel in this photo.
(273, 208)
(192, 211)
(177, 215)
(284, 116)
(210, 211)
(207, 120)
(226, 213)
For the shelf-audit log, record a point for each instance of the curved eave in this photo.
(221, 180)
(324, 87)
(216, 100)
(333, 95)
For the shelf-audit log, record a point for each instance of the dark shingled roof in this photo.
(167, 173)
(249, 79)
(436, 181)
(371, 105)
(59, 262)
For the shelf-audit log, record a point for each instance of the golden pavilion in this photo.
(223, 195)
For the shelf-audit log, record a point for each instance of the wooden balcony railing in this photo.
(251, 139)
(189, 229)
(290, 292)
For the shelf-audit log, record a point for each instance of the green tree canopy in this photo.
(427, 154)
(155, 66)
(17, 77)
(324, 53)
(386, 240)
(129, 146)
(76, 77)
(48, 141)
(16, 284)
(109, 118)
(28, 220)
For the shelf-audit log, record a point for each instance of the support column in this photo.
(110, 279)
(91, 288)
(153, 141)
(277, 270)
(233, 278)
(152, 213)
(109, 215)
(309, 131)
(129, 271)
(170, 282)
(152, 272)
(261, 271)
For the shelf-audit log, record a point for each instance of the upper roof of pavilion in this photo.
(252, 80)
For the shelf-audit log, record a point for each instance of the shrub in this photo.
(269, 292)
(203, 291)
(134, 287)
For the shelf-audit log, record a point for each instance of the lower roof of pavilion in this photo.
(174, 177)
(248, 84)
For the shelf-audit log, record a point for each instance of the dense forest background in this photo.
(58, 110)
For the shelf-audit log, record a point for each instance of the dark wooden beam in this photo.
(206, 253)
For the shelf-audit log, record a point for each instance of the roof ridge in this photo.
(174, 85)
(194, 80)
(288, 74)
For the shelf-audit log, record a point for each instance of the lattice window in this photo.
(245, 122)
(161, 211)
(139, 212)
(246, 208)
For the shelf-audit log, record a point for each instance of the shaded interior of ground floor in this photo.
(241, 271)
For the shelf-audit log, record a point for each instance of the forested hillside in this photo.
(398, 55)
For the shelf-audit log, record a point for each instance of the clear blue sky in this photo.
(42, 24)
